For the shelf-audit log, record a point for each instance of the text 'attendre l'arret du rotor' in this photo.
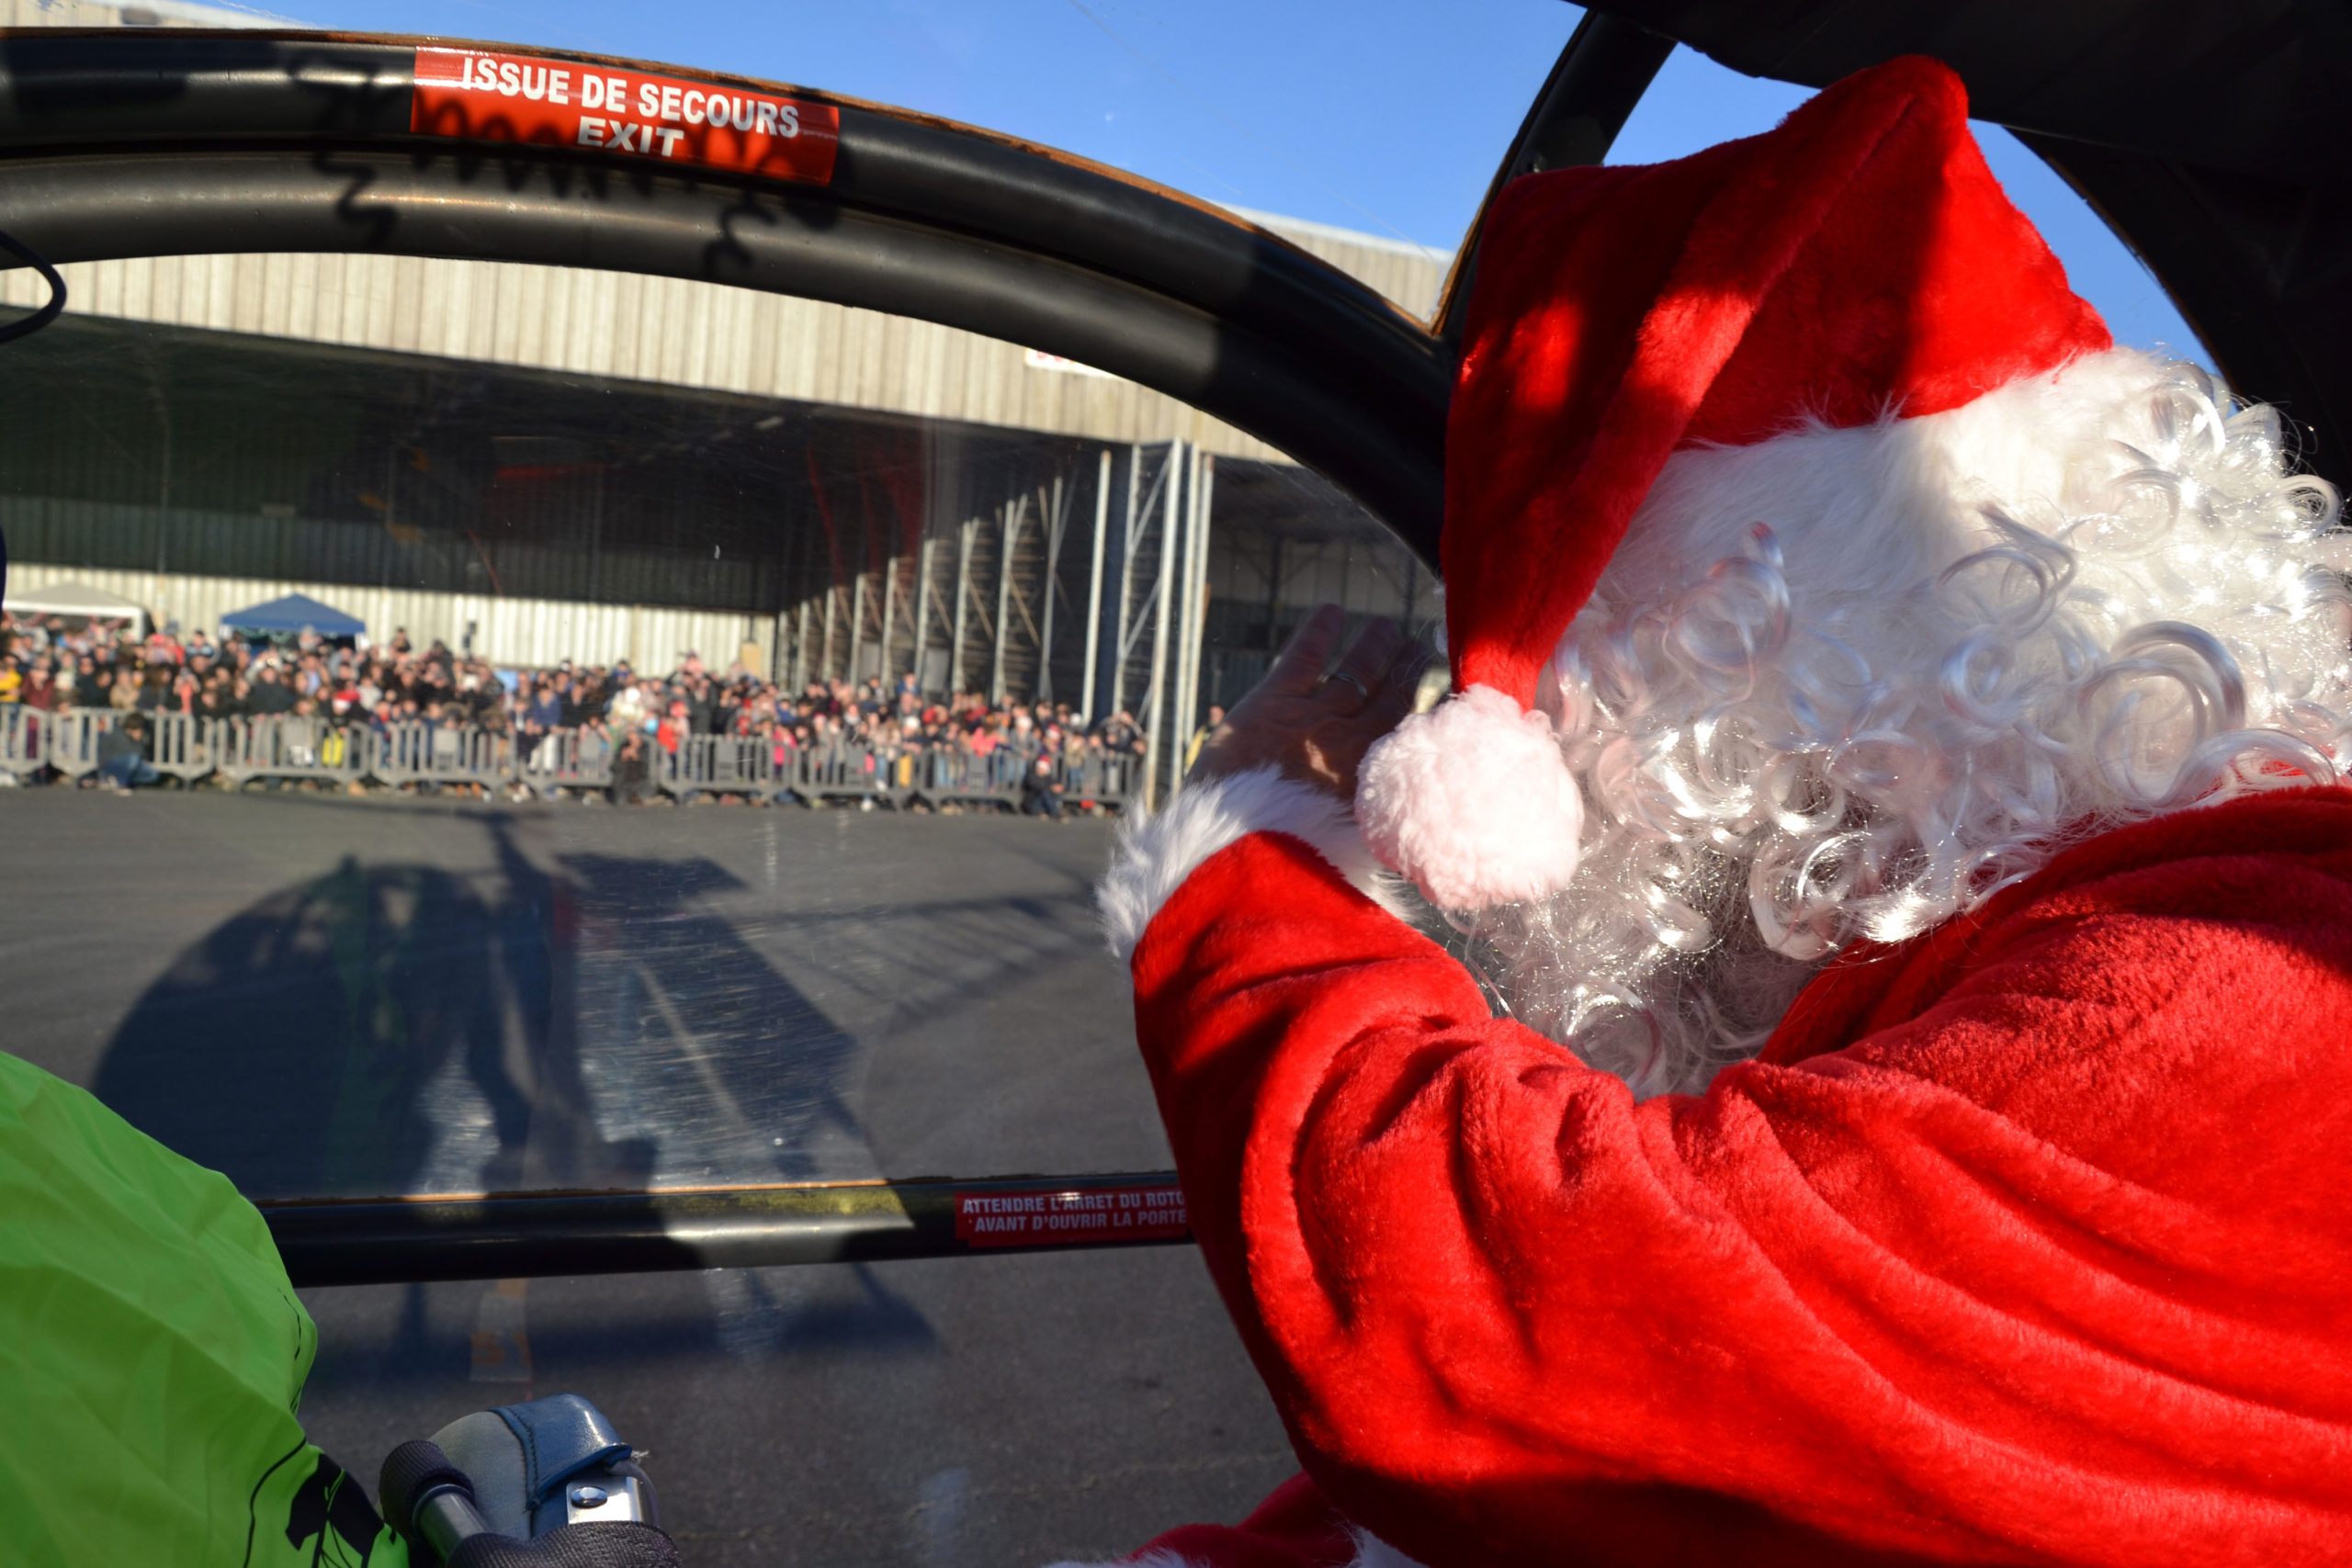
(475, 95)
(1048, 1217)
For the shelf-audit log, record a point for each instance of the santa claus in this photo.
(1878, 1089)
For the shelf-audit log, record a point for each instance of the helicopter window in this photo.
(645, 795)
(765, 555)
(682, 769)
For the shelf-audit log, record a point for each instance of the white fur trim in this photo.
(1154, 855)
(1472, 801)
(1371, 1552)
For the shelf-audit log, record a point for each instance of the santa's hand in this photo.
(1317, 728)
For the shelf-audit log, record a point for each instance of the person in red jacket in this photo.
(1877, 1091)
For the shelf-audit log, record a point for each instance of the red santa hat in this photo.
(1858, 263)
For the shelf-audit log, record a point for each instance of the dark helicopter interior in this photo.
(823, 1025)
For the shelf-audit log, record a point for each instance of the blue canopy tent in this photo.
(294, 613)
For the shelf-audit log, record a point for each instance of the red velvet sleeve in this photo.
(2051, 1264)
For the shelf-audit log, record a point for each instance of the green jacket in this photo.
(152, 1358)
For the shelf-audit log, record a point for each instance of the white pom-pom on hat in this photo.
(1474, 801)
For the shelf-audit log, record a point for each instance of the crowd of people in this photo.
(57, 662)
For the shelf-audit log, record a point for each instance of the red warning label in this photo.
(479, 97)
(1012, 1218)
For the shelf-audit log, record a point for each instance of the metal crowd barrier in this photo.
(760, 768)
(967, 777)
(835, 771)
(23, 741)
(941, 776)
(721, 764)
(290, 746)
(567, 758)
(281, 746)
(184, 746)
(422, 751)
(1101, 778)
(73, 739)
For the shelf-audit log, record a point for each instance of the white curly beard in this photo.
(1848, 682)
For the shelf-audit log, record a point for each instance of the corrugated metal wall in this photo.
(620, 324)
(710, 337)
(86, 537)
(899, 614)
(534, 632)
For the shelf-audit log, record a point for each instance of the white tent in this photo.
(73, 599)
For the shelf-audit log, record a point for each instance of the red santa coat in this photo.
(2024, 1243)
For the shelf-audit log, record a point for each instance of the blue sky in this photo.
(1388, 116)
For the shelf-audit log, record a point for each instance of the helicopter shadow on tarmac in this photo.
(402, 1028)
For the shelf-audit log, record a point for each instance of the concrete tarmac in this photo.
(332, 996)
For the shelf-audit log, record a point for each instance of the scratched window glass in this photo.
(494, 728)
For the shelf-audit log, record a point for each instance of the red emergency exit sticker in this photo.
(1046, 1216)
(480, 96)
